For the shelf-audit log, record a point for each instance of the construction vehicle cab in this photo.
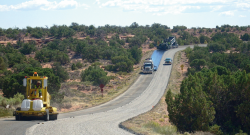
(38, 100)
(168, 43)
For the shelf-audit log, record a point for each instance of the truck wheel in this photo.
(46, 117)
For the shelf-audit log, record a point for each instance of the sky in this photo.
(190, 13)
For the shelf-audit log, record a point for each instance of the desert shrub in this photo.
(215, 129)
(96, 75)
(96, 64)
(151, 45)
(79, 65)
(16, 100)
(73, 66)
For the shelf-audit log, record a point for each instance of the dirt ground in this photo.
(1, 92)
(159, 113)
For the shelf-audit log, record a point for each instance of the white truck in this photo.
(148, 66)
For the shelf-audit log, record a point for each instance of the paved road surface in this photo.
(103, 119)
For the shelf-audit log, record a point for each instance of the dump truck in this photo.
(37, 103)
(148, 66)
(168, 43)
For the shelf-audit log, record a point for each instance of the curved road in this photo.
(103, 119)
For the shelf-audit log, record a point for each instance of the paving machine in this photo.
(168, 43)
(37, 103)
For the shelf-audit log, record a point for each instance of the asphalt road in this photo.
(103, 119)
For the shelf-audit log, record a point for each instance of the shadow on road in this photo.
(28, 119)
(141, 73)
(166, 64)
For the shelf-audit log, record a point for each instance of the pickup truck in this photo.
(168, 61)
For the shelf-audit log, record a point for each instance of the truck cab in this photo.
(148, 66)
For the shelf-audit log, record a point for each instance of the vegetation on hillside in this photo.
(215, 95)
(58, 45)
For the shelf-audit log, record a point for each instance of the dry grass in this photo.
(6, 112)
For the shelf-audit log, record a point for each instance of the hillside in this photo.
(68, 51)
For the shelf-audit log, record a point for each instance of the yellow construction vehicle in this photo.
(38, 100)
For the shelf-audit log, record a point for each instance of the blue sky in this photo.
(190, 13)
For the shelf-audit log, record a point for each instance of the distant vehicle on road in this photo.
(148, 66)
(155, 68)
(168, 61)
(168, 43)
(175, 45)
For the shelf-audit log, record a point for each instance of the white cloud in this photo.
(243, 5)
(43, 5)
(160, 7)
(227, 13)
(242, 16)
(216, 8)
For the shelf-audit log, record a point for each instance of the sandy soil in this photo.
(46, 65)
(1, 92)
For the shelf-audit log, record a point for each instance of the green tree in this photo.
(2, 64)
(91, 30)
(96, 75)
(20, 67)
(73, 67)
(203, 39)
(151, 46)
(123, 63)
(91, 53)
(61, 57)
(190, 110)
(134, 25)
(14, 83)
(80, 47)
(215, 47)
(59, 71)
(14, 58)
(136, 54)
(45, 55)
(79, 65)
(198, 63)
(34, 63)
(27, 48)
(245, 37)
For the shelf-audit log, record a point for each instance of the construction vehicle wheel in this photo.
(46, 117)
(53, 117)
(18, 117)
